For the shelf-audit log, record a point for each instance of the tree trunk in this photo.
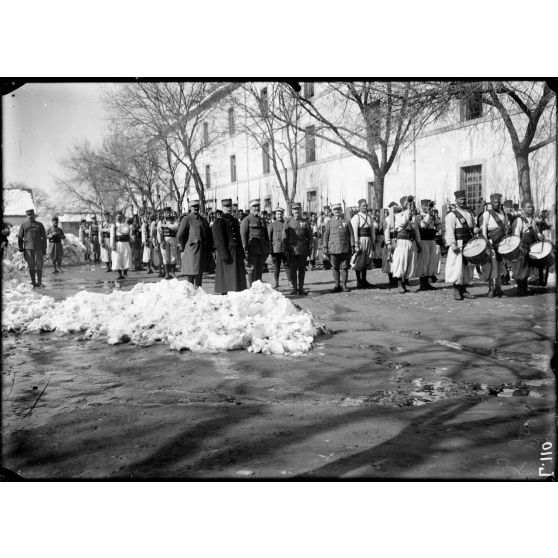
(524, 177)
(378, 201)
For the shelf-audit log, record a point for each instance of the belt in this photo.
(427, 234)
(463, 234)
(405, 235)
(123, 238)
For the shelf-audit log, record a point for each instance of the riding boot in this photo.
(401, 283)
(337, 285)
(498, 288)
(359, 279)
(390, 280)
(120, 276)
(490, 293)
(457, 294)
(108, 267)
(32, 275)
(465, 293)
(344, 277)
(167, 271)
(294, 282)
(40, 278)
(125, 274)
(365, 283)
(301, 274)
(276, 272)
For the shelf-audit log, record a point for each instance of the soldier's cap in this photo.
(392, 204)
(194, 202)
(508, 203)
(255, 202)
(424, 202)
(336, 206)
(227, 202)
(495, 198)
(297, 206)
(362, 200)
(30, 212)
(403, 200)
(459, 194)
(326, 207)
(55, 218)
(168, 208)
(515, 206)
(279, 209)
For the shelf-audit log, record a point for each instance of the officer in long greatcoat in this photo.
(255, 241)
(230, 274)
(196, 243)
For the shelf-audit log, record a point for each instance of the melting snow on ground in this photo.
(259, 319)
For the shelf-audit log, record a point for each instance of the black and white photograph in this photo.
(281, 279)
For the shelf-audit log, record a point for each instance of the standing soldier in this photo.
(339, 241)
(363, 228)
(322, 222)
(297, 237)
(407, 244)
(32, 241)
(460, 227)
(135, 242)
(388, 225)
(196, 243)
(379, 239)
(428, 225)
(55, 236)
(275, 233)
(105, 241)
(120, 244)
(230, 274)
(166, 235)
(155, 246)
(255, 243)
(147, 252)
(94, 239)
(83, 235)
(494, 228)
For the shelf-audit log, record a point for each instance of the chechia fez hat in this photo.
(30, 212)
(336, 206)
(508, 203)
(459, 194)
(255, 202)
(326, 206)
(194, 202)
(392, 204)
(424, 202)
(55, 218)
(495, 198)
(227, 202)
(403, 200)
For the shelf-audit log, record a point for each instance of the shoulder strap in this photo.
(462, 220)
(496, 218)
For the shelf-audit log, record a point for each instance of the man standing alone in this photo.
(32, 241)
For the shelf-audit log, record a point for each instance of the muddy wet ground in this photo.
(399, 386)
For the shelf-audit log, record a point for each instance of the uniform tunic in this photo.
(458, 270)
(83, 235)
(196, 243)
(32, 241)
(120, 243)
(255, 241)
(386, 248)
(494, 232)
(338, 241)
(166, 235)
(322, 222)
(429, 257)
(155, 250)
(104, 234)
(526, 229)
(135, 242)
(230, 273)
(364, 238)
(405, 253)
(275, 234)
(297, 238)
(94, 239)
(55, 236)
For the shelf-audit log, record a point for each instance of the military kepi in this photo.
(297, 205)
(279, 209)
(495, 198)
(459, 194)
(194, 202)
(336, 206)
(30, 212)
(255, 202)
(227, 202)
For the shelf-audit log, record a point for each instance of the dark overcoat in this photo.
(230, 274)
(196, 242)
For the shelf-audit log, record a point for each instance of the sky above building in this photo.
(41, 122)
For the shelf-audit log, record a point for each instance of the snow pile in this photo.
(74, 250)
(174, 312)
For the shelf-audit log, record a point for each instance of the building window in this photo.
(207, 176)
(308, 89)
(231, 121)
(310, 144)
(233, 168)
(471, 107)
(267, 204)
(312, 199)
(471, 182)
(263, 101)
(205, 134)
(265, 158)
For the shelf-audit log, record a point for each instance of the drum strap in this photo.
(463, 222)
(497, 218)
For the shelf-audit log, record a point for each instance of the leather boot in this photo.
(520, 287)
(464, 292)
(401, 283)
(421, 280)
(108, 267)
(457, 295)
(337, 286)
(301, 275)
(390, 280)
(490, 293)
(249, 279)
(32, 275)
(40, 278)
(365, 283)
(120, 276)
(359, 280)
(167, 271)
(498, 289)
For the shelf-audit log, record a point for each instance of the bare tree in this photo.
(528, 111)
(272, 121)
(374, 120)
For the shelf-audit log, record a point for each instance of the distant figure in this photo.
(104, 240)
(83, 235)
(55, 236)
(94, 239)
(120, 244)
(32, 241)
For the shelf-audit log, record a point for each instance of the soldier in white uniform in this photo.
(147, 249)
(388, 225)
(104, 241)
(166, 236)
(526, 229)
(407, 245)
(364, 235)
(428, 259)
(494, 228)
(120, 244)
(460, 227)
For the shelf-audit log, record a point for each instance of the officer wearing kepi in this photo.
(255, 242)
(338, 242)
(297, 238)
